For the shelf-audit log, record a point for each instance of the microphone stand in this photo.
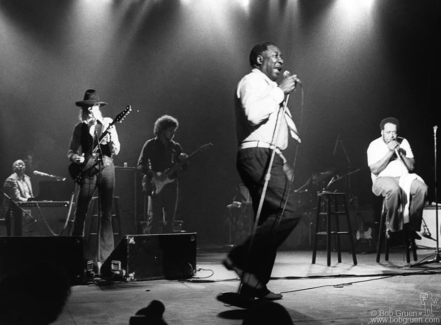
(348, 179)
(99, 180)
(437, 258)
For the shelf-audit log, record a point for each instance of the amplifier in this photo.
(429, 216)
(48, 218)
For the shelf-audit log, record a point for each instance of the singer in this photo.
(84, 138)
(391, 162)
(260, 105)
(18, 187)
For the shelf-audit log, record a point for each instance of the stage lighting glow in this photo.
(355, 9)
(245, 4)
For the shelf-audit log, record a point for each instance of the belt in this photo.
(261, 144)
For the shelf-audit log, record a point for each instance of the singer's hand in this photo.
(393, 145)
(288, 84)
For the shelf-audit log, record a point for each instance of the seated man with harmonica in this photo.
(391, 161)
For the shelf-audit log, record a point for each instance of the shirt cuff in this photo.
(278, 95)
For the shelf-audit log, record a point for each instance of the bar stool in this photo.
(383, 234)
(327, 200)
(116, 218)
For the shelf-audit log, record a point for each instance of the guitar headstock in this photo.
(121, 116)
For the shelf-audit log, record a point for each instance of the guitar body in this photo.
(156, 183)
(75, 171)
(78, 171)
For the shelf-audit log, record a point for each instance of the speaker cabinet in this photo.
(429, 216)
(46, 221)
(17, 253)
(149, 257)
(126, 188)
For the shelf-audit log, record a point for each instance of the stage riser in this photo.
(148, 257)
(17, 253)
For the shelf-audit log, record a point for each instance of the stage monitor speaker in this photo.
(149, 257)
(18, 253)
(429, 215)
(126, 189)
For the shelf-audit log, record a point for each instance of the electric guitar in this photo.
(77, 171)
(159, 180)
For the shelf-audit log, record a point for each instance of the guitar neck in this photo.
(103, 135)
(179, 164)
(175, 167)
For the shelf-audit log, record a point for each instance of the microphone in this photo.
(330, 182)
(286, 74)
(38, 173)
(336, 144)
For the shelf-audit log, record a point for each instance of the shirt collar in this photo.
(255, 70)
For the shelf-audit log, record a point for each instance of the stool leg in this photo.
(337, 229)
(415, 257)
(380, 237)
(328, 231)
(406, 245)
(317, 220)
(350, 233)
(386, 249)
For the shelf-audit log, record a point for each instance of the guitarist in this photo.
(98, 169)
(157, 156)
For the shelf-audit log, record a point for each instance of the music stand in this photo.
(437, 258)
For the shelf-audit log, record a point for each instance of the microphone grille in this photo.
(286, 73)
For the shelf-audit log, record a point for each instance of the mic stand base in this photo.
(437, 259)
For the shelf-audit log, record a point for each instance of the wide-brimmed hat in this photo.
(91, 98)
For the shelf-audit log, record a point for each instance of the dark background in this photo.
(359, 61)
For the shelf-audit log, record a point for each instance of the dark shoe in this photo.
(235, 299)
(260, 293)
(414, 235)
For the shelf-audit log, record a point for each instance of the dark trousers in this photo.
(105, 183)
(162, 209)
(275, 223)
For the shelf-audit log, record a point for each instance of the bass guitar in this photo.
(157, 181)
(77, 171)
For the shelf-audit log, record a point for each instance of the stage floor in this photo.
(389, 292)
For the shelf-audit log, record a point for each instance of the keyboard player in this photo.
(18, 188)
